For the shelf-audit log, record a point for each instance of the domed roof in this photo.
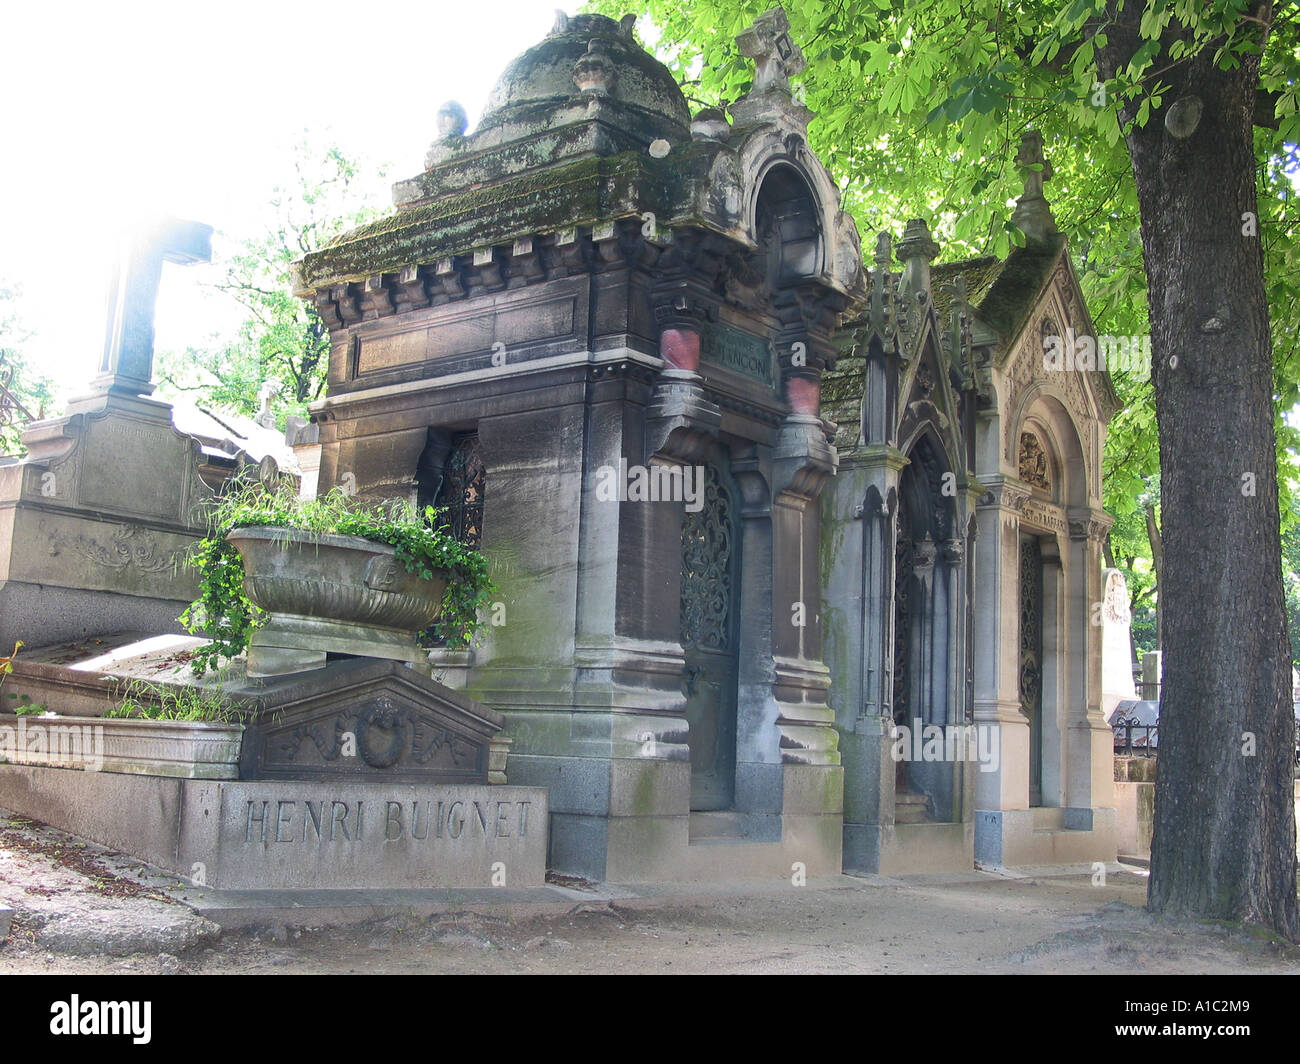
(545, 73)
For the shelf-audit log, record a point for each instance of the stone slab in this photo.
(337, 835)
(1010, 838)
(287, 835)
(196, 750)
(6, 921)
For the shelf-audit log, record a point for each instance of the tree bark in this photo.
(1224, 839)
(1157, 563)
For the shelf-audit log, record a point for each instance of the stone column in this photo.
(1057, 675)
(858, 590)
(1090, 782)
(997, 645)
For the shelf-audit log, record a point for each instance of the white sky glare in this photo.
(120, 111)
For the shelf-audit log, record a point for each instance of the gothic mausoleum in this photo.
(752, 510)
(962, 553)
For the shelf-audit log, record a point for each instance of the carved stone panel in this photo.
(387, 723)
(1034, 468)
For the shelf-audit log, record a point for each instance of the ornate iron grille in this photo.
(708, 542)
(460, 495)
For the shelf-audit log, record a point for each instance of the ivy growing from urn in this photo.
(422, 543)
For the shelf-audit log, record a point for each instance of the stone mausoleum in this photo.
(962, 552)
(595, 328)
(796, 557)
(606, 336)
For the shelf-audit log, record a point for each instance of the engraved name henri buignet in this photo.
(337, 821)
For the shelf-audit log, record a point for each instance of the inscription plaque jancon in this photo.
(728, 347)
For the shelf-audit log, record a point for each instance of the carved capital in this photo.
(804, 457)
(681, 422)
(1089, 524)
(1005, 496)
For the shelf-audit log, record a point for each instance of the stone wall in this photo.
(1135, 802)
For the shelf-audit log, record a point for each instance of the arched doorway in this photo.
(924, 639)
(710, 589)
(788, 226)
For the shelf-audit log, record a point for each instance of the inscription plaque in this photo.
(120, 470)
(300, 834)
(740, 352)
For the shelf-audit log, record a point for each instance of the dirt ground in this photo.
(74, 915)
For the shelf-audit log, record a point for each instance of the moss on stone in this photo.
(579, 193)
(545, 72)
(1006, 303)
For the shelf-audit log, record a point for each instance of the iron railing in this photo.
(1134, 739)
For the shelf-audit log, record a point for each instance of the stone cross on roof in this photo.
(126, 367)
(1033, 214)
(1033, 165)
(776, 57)
(265, 394)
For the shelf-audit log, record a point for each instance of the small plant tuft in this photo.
(141, 699)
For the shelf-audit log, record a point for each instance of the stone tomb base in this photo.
(1043, 835)
(289, 835)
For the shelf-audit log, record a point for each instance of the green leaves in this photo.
(982, 93)
(282, 338)
(423, 545)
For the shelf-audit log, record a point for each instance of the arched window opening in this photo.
(788, 227)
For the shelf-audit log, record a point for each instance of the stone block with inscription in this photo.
(95, 523)
(365, 774)
(297, 834)
(286, 835)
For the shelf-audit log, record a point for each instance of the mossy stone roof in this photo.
(1001, 293)
(540, 201)
(544, 73)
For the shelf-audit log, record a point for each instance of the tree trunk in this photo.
(1157, 563)
(1224, 841)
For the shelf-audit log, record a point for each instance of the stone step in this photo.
(911, 808)
(720, 826)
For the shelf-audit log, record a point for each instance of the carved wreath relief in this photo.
(381, 735)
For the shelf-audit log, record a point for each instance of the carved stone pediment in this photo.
(363, 719)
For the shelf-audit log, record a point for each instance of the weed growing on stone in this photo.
(141, 699)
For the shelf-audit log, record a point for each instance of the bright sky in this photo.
(116, 111)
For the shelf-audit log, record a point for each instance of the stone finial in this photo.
(883, 251)
(594, 72)
(776, 57)
(452, 121)
(710, 124)
(916, 251)
(561, 24)
(626, 26)
(1033, 214)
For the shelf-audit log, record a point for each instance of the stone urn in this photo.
(328, 594)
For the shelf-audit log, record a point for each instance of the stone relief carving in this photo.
(130, 547)
(1116, 606)
(385, 734)
(1027, 368)
(1032, 462)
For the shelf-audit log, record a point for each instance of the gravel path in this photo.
(75, 914)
